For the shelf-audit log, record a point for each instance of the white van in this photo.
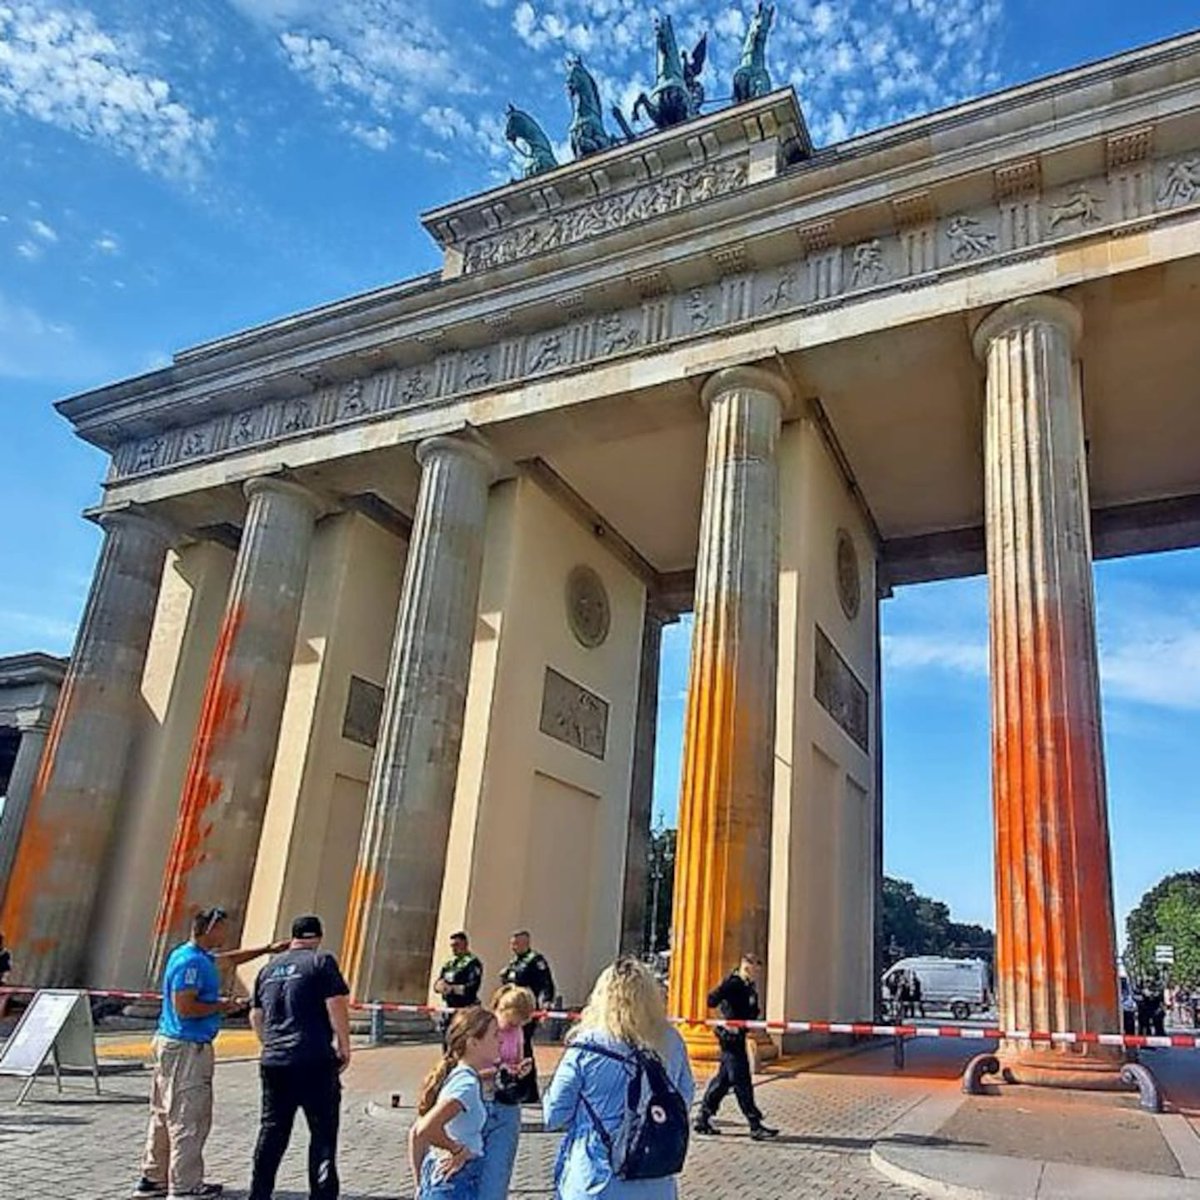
(960, 986)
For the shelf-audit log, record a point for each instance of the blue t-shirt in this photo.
(190, 969)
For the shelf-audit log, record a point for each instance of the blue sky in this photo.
(177, 169)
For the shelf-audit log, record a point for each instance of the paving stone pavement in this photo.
(87, 1149)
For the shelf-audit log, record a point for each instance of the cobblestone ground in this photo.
(87, 1149)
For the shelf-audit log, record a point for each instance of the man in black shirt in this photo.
(737, 998)
(460, 978)
(5, 967)
(301, 1014)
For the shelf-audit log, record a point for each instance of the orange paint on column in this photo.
(222, 714)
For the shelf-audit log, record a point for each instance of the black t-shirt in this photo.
(5, 964)
(291, 990)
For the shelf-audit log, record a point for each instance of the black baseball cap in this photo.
(307, 927)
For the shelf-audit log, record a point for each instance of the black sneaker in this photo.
(201, 1189)
(705, 1126)
(147, 1187)
(763, 1133)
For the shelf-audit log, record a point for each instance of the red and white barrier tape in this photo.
(1177, 1041)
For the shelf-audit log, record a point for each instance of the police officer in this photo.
(737, 998)
(529, 969)
(460, 978)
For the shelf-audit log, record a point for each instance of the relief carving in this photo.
(415, 388)
(195, 442)
(1181, 183)
(149, 455)
(779, 296)
(572, 714)
(245, 429)
(1080, 205)
(605, 215)
(699, 309)
(968, 239)
(840, 692)
(297, 416)
(615, 336)
(478, 371)
(867, 265)
(547, 353)
(351, 402)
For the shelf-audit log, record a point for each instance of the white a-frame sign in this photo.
(56, 1025)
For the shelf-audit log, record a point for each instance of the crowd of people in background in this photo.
(620, 1094)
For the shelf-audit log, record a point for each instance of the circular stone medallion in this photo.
(849, 582)
(587, 607)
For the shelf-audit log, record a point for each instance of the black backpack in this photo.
(652, 1140)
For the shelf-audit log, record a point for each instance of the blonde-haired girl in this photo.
(514, 1074)
(624, 1013)
(445, 1146)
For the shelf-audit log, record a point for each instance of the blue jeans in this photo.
(499, 1149)
(462, 1186)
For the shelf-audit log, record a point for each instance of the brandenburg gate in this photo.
(376, 623)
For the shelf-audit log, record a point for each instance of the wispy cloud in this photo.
(1149, 647)
(33, 346)
(57, 65)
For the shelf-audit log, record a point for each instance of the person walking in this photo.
(459, 980)
(510, 1088)
(622, 1024)
(529, 969)
(301, 1014)
(445, 1146)
(736, 997)
(181, 1091)
(5, 968)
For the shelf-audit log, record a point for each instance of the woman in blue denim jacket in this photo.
(625, 1011)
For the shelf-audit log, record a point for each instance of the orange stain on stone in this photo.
(42, 835)
(363, 888)
(222, 715)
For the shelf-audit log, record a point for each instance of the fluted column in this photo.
(77, 789)
(397, 885)
(641, 783)
(20, 791)
(233, 754)
(722, 866)
(1056, 944)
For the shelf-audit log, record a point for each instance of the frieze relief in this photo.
(824, 274)
(609, 213)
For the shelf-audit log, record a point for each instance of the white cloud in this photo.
(107, 244)
(59, 66)
(30, 251)
(1149, 646)
(374, 137)
(42, 230)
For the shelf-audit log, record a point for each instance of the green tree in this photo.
(914, 924)
(1167, 915)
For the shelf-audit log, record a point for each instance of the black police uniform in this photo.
(737, 999)
(530, 970)
(465, 971)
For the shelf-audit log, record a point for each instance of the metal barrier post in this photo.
(377, 1025)
(898, 1052)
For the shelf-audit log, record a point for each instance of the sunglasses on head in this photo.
(215, 915)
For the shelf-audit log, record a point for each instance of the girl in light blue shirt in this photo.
(445, 1146)
(625, 1012)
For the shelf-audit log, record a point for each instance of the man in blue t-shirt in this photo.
(181, 1092)
(301, 1013)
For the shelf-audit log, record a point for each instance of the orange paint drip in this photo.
(363, 889)
(222, 715)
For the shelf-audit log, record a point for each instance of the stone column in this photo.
(229, 771)
(397, 884)
(641, 783)
(77, 788)
(20, 790)
(1056, 945)
(722, 866)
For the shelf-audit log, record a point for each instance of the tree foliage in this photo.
(1167, 915)
(914, 924)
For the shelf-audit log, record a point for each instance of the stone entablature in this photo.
(895, 210)
(827, 275)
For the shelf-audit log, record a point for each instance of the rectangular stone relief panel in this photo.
(840, 692)
(572, 714)
(364, 712)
